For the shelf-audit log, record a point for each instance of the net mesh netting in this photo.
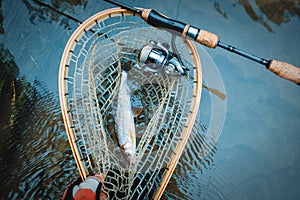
(163, 102)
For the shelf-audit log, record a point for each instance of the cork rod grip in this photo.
(208, 39)
(285, 70)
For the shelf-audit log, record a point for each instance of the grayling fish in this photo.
(124, 118)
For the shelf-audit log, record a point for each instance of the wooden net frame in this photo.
(89, 79)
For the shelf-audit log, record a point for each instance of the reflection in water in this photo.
(184, 183)
(264, 11)
(214, 91)
(8, 73)
(1, 19)
(275, 11)
(34, 152)
(38, 10)
(218, 8)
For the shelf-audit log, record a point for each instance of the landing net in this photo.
(164, 106)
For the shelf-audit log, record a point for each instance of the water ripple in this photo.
(38, 161)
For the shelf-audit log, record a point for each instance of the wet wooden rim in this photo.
(85, 26)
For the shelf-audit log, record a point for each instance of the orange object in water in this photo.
(84, 194)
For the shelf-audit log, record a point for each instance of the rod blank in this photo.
(244, 54)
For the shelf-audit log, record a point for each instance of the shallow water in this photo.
(257, 155)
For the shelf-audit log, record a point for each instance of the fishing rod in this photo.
(211, 40)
